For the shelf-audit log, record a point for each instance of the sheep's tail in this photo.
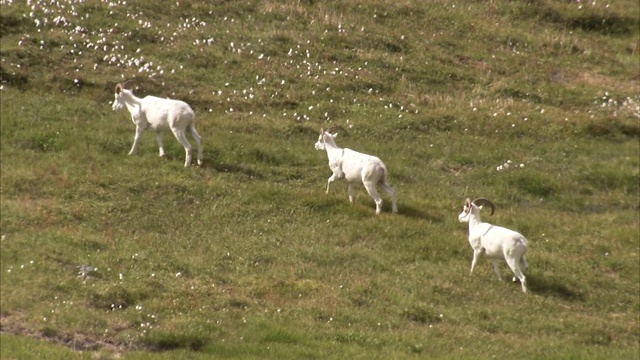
(522, 246)
(387, 187)
(523, 242)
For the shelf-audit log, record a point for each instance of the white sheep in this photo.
(159, 115)
(495, 242)
(355, 167)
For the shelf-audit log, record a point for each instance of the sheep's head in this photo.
(118, 103)
(326, 136)
(474, 207)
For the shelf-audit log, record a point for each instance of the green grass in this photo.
(247, 257)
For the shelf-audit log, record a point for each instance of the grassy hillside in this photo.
(107, 256)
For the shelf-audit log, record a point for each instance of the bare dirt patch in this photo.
(78, 342)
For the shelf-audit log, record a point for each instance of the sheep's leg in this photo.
(515, 267)
(331, 179)
(182, 138)
(160, 143)
(136, 140)
(523, 267)
(198, 139)
(523, 264)
(391, 193)
(350, 192)
(476, 256)
(496, 269)
(371, 189)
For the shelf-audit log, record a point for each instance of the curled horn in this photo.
(122, 86)
(336, 127)
(483, 201)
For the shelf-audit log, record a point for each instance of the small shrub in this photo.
(49, 332)
(44, 142)
(533, 184)
(162, 341)
(610, 127)
(361, 339)
(280, 336)
(421, 314)
(608, 179)
(599, 338)
(117, 297)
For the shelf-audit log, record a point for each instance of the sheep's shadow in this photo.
(412, 212)
(234, 169)
(217, 167)
(403, 210)
(548, 286)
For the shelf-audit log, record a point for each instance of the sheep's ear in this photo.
(467, 204)
(335, 135)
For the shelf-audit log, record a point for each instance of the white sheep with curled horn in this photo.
(159, 115)
(355, 167)
(495, 242)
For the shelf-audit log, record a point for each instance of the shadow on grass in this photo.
(412, 212)
(242, 169)
(551, 287)
(367, 207)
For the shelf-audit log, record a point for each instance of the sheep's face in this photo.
(118, 103)
(466, 211)
(323, 139)
(320, 143)
(464, 215)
